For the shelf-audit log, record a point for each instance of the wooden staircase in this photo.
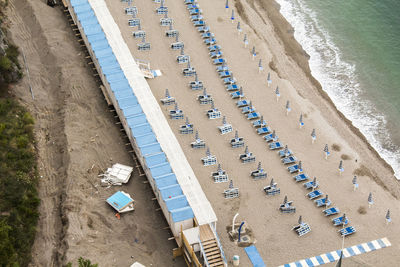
(211, 250)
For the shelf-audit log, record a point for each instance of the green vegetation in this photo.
(83, 263)
(18, 184)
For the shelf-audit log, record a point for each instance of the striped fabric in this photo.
(335, 255)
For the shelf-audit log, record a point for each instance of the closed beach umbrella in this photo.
(326, 150)
(144, 39)
(341, 169)
(177, 37)
(241, 92)
(231, 184)
(139, 27)
(219, 168)
(286, 151)
(246, 42)
(167, 93)
(269, 81)
(285, 200)
(388, 219)
(326, 200)
(314, 182)
(182, 51)
(300, 167)
(246, 150)
(239, 29)
(301, 123)
(212, 105)
(259, 166)
(370, 200)
(176, 107)
(253, 52)
(170, 27)
(273, 135)
(233, 16)
(271, 184)
(260, 67)
(187, 121)
(313, 136)
(288, 109)
(355, 184)
(223, 120)
(277, 94)
(300, 221)
(196, 136)
(208, 153)
(204, 92)
(195, 78)
(226, 5)
(236, 135)
(188, 65)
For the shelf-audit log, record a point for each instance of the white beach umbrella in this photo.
(370, 200)
(167, 95)
(355, 184)
(341, 169)
(260, 67)
(269, 81)
(245, 41)
(288, 109)
(388, 219)
(313, 136)
(239, 29)
(278, 95)
(326, 150)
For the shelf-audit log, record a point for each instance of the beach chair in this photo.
(210, 41)
(220, 176)
(166, 22)
(176, 113)
(314, 194)
(187, 128)
(134, 22)
(187, 2)
(301, 177)
(302, 229)
(216, 54)
(171, 33)
(339, 221)
(236, 94)
(207, 35)
(203, 28)
(258, 174)
(196, 17)
(213, 48)
(282, 153)
(231, 193)
(294, 168)
(177, 46)
(131, 10)
(162, 10)
(232, 87)
(182, 59)
(289, 160)
(229, 80)
(195, 11)
(225, 127)
(219, 61)
(199, 23)
(192, 5)
(237, 141)
(287, 207)
(331, 211)
(198, 143)
(143, 46)
(222, 67)
(205, 98)
(267, 130)
(248, 109)
(323, 202)
(260, 123)
(253, 115)
(209, 159)
(347, 231)
(196, 85)
(272, 137)
(224, 74)
(213, 113)
(242, 103)
(188, 72)
(247, 156)
(139, 34)
(168, 100)
(311, 185)
(272, 189)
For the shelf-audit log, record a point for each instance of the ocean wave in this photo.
(339, 79)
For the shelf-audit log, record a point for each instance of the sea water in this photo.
(354, 49)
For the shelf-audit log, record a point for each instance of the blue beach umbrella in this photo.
(300, 167)
(326, 150)
(253, 52)
(233, 15)
(226, 5)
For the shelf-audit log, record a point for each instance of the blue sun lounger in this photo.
(248, 109)
(242, 103)
(282, 153)
(314, 194)
(213, 48)
(253, 115)
(222, 68)
(300, 177)
(195, 11)
(229, 80)
(302, 229)
(192, 5)
(347, 231)
(187, 2)
(259, 123)
(210, 41)
(294, 168)
(207, 35)
(224, 74)
(310, 185)
(267, 130)
(339, 221)
(216, 54)
(236, 94)
(322, 202)
(271, 138)
(203, 28)
(219, 61)
(275, 145)
(331, 211)
(196, 17)
(199, 23)
(232, 87)
(289, 160)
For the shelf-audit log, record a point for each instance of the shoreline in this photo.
(295, 51)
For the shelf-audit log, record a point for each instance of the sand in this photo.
(75, 131)
(77, 138)
(275, 240)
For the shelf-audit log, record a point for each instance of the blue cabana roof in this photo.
(119, 201)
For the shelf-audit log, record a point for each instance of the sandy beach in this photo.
(275, 241)
(78, 138)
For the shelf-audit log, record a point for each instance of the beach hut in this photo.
(198, 143)
(220, 176)
(121, 202)
(225, 127)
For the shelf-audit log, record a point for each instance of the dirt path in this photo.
(76, 139)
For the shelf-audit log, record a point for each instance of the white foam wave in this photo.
(338, 78)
